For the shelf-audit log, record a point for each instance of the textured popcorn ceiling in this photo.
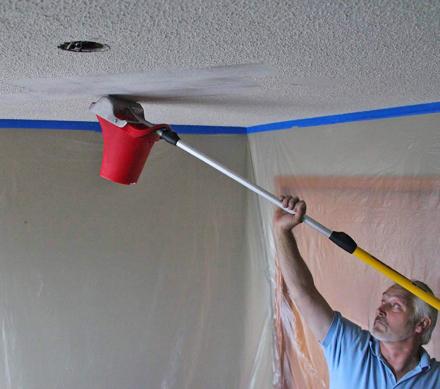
(328, 57)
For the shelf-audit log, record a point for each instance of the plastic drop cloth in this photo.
(378, 181)
(172, 283)
(104, 286)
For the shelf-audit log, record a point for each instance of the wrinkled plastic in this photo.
(172, 283)
(377, 181)
(147, 286)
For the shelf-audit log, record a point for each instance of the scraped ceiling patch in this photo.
(160, 85)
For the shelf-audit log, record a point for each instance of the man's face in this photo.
(394, 317)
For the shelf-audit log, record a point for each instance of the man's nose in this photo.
(381, 311)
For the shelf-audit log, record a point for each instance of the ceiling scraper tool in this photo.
(129, 137)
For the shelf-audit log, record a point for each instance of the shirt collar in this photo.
(374, 347)
(424, 362)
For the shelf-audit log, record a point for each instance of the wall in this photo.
(400, 149)
(107, 286)
(166, 283)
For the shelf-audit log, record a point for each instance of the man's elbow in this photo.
(306, 290)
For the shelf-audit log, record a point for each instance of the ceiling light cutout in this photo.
(84, 46)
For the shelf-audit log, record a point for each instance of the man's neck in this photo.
(402, 356)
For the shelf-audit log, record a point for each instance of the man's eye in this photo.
(396, 305)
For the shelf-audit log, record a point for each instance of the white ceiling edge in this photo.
(328, 57)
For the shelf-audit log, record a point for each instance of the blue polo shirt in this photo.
(354, 361)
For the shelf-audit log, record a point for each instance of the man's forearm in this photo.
(312, 305)
(295, 272)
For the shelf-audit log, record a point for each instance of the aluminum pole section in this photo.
(254, 188)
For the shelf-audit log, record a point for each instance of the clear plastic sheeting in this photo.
(149, 286)
(378, 181)
(172, 283)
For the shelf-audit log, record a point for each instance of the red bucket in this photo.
(125, 151)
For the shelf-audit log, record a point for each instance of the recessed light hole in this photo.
(84, 46)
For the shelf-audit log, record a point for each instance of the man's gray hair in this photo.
(422, 309)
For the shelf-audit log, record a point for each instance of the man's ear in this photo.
(423, 324)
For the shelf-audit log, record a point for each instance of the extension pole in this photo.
(341, 239)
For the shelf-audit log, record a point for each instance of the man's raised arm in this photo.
(313, 307)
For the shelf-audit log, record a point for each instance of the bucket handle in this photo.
(146, 131)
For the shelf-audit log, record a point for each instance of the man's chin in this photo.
(384, 336)
(379, 335)
(378, 331)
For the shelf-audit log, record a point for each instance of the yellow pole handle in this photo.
(396, 277)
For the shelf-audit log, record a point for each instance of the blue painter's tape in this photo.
(208, 130)
(386, 113)
(94, 126)
(50, 125)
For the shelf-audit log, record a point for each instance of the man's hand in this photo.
(284, 221)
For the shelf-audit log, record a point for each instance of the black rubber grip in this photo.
(170, 136)
(344, 241)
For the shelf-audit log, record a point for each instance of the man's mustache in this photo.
(380, 319)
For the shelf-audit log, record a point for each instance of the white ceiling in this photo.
(327, 57)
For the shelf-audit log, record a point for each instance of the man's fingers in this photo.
(292, 202)
(295, 204)
(300, 208)
(288, 201)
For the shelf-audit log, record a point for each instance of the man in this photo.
(391, 356)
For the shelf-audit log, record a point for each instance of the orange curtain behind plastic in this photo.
(397, 219)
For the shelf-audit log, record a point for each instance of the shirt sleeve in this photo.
(344, 342)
